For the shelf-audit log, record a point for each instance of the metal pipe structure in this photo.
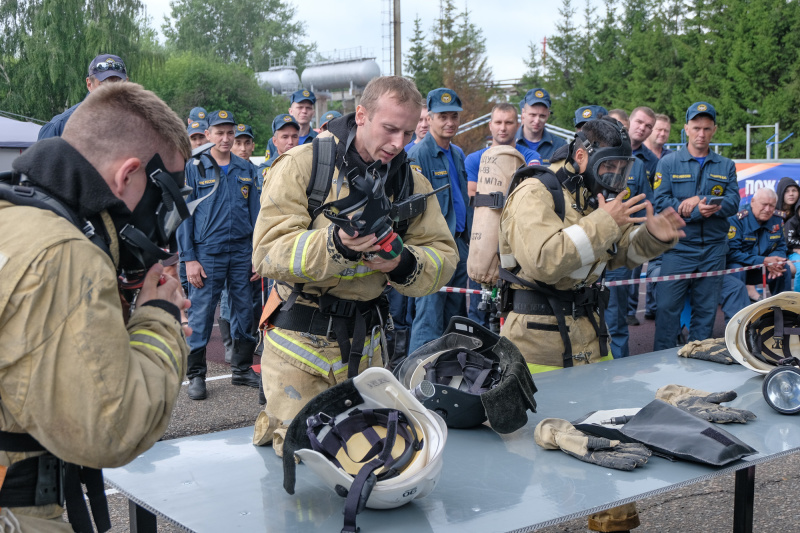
(485, 119)
(398, 57)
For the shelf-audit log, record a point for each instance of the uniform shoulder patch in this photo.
(779, 213)
(732, 232)
(416, 168)
(743, 213)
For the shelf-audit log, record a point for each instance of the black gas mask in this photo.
(608, 167)
(149, 235)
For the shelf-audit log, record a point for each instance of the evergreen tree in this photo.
(561, 63)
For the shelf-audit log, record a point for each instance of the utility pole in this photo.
(398, 56)
(544, 51)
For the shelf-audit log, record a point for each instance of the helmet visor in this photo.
(611, 173)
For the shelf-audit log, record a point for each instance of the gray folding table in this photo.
(221, 482)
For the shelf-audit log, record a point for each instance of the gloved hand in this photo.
(713, 350)
(704, 404)
(555, 434)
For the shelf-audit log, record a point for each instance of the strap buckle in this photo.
(492, 200)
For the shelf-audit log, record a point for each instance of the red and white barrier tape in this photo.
(635, 281)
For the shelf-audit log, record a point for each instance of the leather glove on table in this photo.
(704, 404)
(558, 434)
(713, 350)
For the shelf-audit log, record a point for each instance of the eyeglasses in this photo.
(104, 66)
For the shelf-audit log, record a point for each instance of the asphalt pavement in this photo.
(705, 507)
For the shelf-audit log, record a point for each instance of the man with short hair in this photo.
(215, 244)
(701, 185)
(80, 388)
(285, 134)
(621, 116)
(330, 277)
(423, 126)
(302, 109)
(103, 68)
(197, 133)
(755, 237)
(443, 164)
(655, 143)
(197, 114)
(642, 121)
(535, 110)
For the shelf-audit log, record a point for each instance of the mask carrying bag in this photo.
(670, 431)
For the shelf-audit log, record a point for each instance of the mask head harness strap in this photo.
(465, 370)
(778, 325)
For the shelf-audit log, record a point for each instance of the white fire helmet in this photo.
(764, 333)
(370, 440)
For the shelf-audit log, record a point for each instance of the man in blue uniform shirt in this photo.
(216, 246)
(642, 121)
(755, 237)
(443, 163)
(103, 68)
(302, 109)
(701, 185)
(285, 134)
(535, 110)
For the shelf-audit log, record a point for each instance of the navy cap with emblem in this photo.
(536, 96)
(701, 108)
(216, 118)
(197, 126)
(330, 115)
(442, 100)
(282, 120)
(302, 95)
(589, 112)
(243, 129)
(106, 66)
(197, 113)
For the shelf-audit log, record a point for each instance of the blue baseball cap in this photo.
(197, 113)
(442, 100)
(197, 126)
(215, 118)
(330, 115)
(701, 108)
(284, 119)
(106, 66)
(589, 112)
(301, 95)
(536, 96)
(243, 129)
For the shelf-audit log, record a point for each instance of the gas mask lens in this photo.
(611, 173)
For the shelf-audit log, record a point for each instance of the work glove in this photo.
(555, 434)
(704, 404)
(713, 350)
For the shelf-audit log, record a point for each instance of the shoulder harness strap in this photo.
(322, 168)
(548, 178)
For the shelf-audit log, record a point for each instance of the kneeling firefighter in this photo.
(340, 218)
(558, 233)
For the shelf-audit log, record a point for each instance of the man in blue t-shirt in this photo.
(423, 125)
(443, 163)
(535, 111)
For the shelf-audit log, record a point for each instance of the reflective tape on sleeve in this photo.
(633, 252)
(155, 343)
(299, 256)
(434, 256)
(582, 243)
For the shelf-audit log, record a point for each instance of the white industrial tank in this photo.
(283, 79)
(339, 75)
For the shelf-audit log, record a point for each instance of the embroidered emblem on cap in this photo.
(329, 116)
(287, 118)
(240, 127)
(587, 113)
(539, 94)
(195, 124)
(109, 61)
(446, 98)
(306, 93)
(223, 114)
(702, 107)
(201, 115)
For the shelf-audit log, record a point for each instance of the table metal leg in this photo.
(141, 520)
(743, 496)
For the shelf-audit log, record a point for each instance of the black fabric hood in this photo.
(783, 184)
(60, 170)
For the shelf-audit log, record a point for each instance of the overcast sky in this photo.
(508, 25)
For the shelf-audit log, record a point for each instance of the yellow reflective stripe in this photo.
(538, 369)
(297, 351)
(156, 343)
(376, 347)
(299, 256)
(437, 260)
(360, 271)
(609, 357)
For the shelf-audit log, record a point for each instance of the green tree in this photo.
(246, 31)
(561, 63)
(187, 80)
(418, 64)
